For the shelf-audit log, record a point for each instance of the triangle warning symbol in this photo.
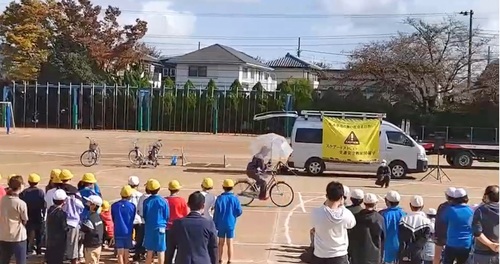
(352, 139)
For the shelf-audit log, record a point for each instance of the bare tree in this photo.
(487, 85)
(424, 66)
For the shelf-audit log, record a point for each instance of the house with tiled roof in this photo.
(293, 67)
(222, 64)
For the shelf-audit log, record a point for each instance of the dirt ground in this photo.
(265, 234)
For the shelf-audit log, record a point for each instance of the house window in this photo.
(172, 72)
(245, 73)
(252, 73)
(165, 71)
(197, 71)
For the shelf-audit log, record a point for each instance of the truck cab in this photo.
(401, 152)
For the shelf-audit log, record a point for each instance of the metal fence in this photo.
(155, 109)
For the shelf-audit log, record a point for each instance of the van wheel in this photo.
(450, 159)
(315, 166)
(463, 160)
(398, 169)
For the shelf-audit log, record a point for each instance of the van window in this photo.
(309, 135)
(398, 138)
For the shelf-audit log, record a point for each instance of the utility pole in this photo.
(298, 47)
(469, 64)
(199, 45)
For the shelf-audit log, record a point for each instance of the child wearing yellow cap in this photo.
(34, 198)
(206, 187)
(123, 214)
(227, 209)
(156, 214)
(54, 173)
(176, 204)
(108, 222)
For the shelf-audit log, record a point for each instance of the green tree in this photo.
(210, 92)
(234, 94)
(25, 35)
(259, 95)
(169, 95)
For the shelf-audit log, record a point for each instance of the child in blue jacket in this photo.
(227, 209)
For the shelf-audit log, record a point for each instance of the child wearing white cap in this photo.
(367, 237)
(56, 221)
(392, 216)
(440, 226)
(429, 248)
(133, 182)
(459, 235)
(93, 230)
(356, 197)
(414, 232)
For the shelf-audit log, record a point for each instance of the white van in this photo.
(401, 152)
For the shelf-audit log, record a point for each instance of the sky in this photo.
(329, 29)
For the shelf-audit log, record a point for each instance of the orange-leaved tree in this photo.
(26, 34)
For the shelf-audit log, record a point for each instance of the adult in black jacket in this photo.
(366, 239)
(383, 175)
(194, 236)
(485, 228)
(93, 229)
(414, 232)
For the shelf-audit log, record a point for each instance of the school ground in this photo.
(265, 234)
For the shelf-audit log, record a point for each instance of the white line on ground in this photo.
(289, 216)
(301, 202)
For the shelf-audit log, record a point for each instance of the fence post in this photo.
(215, 114)
(74, 107)
(149, 105)
(139, 110)
(288, 107)
(4, 109)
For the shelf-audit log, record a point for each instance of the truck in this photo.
(402, 153)
(462, 146)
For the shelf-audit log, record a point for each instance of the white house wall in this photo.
(224, 76)
(284, 74)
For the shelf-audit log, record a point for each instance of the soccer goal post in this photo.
(7, 116)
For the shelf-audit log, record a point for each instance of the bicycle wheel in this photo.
(135, 157)
(280, 189)
(88, 158)
(244, 192)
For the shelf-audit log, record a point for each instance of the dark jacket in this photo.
(56, 228)
(441, 227)
(355, 209)
(93, 229)
(366, 239)
(414, 231)
(195, 239)
(383, 171)
(485, 221)
(255, 164)
(35, 200)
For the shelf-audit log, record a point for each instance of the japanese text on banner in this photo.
(351, 140)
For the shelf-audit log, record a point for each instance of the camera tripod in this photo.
(439, 172)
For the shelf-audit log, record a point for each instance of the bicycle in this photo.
(91, 156)
(250, 190)
(137, 158)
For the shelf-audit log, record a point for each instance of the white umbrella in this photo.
(272, 147)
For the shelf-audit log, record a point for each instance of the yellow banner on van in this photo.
(351, 140)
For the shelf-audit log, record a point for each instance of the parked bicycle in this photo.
(91, 156)
(247, 189)
(137, 158)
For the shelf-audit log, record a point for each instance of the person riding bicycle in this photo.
(256, 169)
